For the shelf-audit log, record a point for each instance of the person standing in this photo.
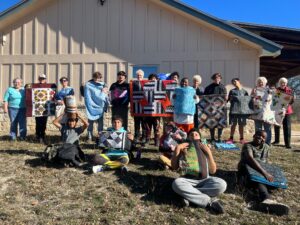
(120, 98)
(235, 119)
(287, 119)
(14, 105)
(197, 80)
(215, 88)
(96, 103)
(41, 122)
(59, 97)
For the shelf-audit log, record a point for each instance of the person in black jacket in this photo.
(215, 88)
(120, 98)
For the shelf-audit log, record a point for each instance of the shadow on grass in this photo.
(157, 189)
(147, 164)
(231, 179)
(21, 152)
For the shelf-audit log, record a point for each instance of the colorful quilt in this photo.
(40, 100)
(212, 111)
(119, 94)
(271, 107)
(279, 178)
(241, 105)
(112, 140)
(152, 98)
(184, 102)
(226, 147)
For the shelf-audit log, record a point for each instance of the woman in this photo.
(59, 97)
(287, 119)
(261, 93)
(14, 105)
(197, 80)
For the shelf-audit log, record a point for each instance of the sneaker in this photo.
(273, 207)
(275, 143)
(22, 139)
(184, 203)
(288, 146)
(229, 141)
(98, 169)
(216, 207)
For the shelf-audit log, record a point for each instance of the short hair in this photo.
(194, 130)
(183, 79)
(235, 79)
(282, 79)
(140, 72)
(216, 75)
(117, 118)
(197, 78)
(261, 133)
(122, 73)
(63, 78)
(97, 75)
(175, 73)
(263, 80)
(152, 75)
(17, 78)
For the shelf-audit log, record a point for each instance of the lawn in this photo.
(33, 192)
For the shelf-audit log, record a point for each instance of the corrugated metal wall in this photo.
(77, 37)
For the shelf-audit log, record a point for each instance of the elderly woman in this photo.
(282, 86)
(197, 80)
(261, 93)
(14, 105)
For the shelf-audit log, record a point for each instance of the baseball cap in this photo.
(43, 76)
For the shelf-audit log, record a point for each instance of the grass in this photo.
(33, 192)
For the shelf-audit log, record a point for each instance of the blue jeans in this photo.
(17, 117)
(91, 127)
(261, 125)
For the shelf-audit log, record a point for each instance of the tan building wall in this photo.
(76, 37)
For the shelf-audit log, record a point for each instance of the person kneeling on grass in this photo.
(253, 153)
(113, 158)
(195, 159)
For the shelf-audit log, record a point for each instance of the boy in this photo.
(196, 160)
(252, 153)
(113, 158)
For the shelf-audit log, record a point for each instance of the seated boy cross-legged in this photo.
(113, 158)
(196, 161)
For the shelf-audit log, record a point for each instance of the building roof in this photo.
(269, 48)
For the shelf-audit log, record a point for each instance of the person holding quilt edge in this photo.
(253, 153)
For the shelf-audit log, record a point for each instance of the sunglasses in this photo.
(64, 80)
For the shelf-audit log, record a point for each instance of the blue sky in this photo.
(268, 12)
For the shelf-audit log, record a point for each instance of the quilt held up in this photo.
(184, 102)
(212, 111)
(152, 98)
(40, 99)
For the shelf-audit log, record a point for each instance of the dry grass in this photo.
(33, 192)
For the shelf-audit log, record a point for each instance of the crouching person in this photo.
(112, 157)
(253, 154)
(196, 161)
(69, 151)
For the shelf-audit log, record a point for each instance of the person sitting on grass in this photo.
(195, 159)
(252, 154)
(70, 133)
(113, 158)
(168, 142)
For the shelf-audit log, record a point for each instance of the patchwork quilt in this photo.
(152, 98)
(113, 140)
(279, 178)
(271, 107)
(40, 100)
(184, 102)
(212, 111)
(226, 146)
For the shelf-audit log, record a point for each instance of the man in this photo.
(120, 98)
(196, 160)
(41, 122)
(215, 88)
(252, 154)
(234, 119)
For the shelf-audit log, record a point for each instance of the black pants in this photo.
(121, 111)
(212, 133)
(286, 131)
(139, 124)
(152, 122)
(40, 126)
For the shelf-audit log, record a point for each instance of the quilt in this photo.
(152, 98)
(279, 178)
(271, 107)
(40, 100)
(241, 105)
(113, 140)
(212, 111)
(184, 102)
(226, 146)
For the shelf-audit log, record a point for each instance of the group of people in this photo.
(182, 145)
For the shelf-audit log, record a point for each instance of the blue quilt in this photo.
(184, 102)
(279, 178)
(226, 146)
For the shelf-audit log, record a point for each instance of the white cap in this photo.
(43, 76)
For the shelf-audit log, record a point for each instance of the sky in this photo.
(267, 12)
